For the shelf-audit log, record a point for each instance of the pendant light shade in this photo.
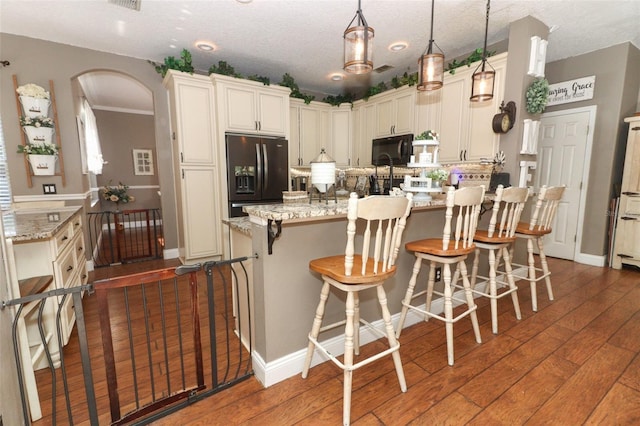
(430, 64)
(358, 45)
(482, 78)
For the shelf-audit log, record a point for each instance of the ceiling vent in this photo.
(129, 4)
(383, 68)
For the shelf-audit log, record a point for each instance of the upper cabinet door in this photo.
(452, 126)
(250, 107)
(341, 124)
(241, 109)
(193, 117)
(395, 112)
(272, 109)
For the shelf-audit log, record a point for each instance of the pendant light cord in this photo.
(486, 33)
(430, 50)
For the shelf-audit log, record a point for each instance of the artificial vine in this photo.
(171, 63)
(475, 56)
(223, 68)
(288, 81)
(339, 99)
(405, 80)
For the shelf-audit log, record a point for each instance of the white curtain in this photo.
(92, 141)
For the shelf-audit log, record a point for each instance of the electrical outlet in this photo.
(49, 188)
(438, 273)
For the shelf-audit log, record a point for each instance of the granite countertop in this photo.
(295, 212)
(41, 224)
(240, 224)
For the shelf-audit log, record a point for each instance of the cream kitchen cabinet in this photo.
(365, 119)
(341, 135)
(246, 106)
(309, 131)
(464, 126)
(627, 234)
(62, 255)
(192, 105)
(395, 111)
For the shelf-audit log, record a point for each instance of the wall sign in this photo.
(577, 90)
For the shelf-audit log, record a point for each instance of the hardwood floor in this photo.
(575, 361)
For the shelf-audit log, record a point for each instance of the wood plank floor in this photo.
(575, 361)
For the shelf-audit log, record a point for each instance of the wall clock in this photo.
(504, 120)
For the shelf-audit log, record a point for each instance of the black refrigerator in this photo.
(257, 170)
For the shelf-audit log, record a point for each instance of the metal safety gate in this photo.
(145, 345)
(125, 236)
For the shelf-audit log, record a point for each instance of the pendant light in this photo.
(358, 45)
(431, 65)
(482, 79)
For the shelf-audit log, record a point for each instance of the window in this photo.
(5, 183)
(93, 151)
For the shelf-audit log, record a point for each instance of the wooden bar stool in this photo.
(355, 271)
(497, 239)
(539, 226)
(453, 248)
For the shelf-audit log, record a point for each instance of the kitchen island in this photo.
(284, 293)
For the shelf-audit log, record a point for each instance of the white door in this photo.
(562, 156)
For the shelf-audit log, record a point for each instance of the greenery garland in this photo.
(537, 95)
(223, 68)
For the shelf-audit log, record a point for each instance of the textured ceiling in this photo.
(304, 37)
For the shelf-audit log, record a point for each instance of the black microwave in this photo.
(396, 148)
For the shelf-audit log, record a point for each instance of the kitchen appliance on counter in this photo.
(257, 171)
(398, 148)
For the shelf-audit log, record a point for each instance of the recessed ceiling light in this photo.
(398, 46)
(553, 28)
(244, 1)
(336, 77)
(207, 46)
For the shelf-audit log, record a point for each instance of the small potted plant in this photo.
(438, 176)
(34, 99)
(427, 135)
(39, 129)
(42, 157)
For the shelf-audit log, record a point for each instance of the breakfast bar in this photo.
(285, 293)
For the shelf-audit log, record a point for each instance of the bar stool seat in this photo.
(354, 272)
(452, 249)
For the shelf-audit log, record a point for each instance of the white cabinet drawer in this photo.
(79, 249)
(63, 237)
(65, 266)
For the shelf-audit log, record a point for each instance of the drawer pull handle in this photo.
(65, 238)
(80, 248)
(69, 268)
(627, 218)
(631, 194)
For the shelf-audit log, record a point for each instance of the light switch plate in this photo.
(49, 188)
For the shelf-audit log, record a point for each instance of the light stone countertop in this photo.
(41, 224)
(296, 212)
(240, 224)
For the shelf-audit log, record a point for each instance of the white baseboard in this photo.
(590, 259)
(288, 366)
(170, 253)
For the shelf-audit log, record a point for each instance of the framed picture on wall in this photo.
(143, 161)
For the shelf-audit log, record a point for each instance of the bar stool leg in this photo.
(407, 298)
(430, 282)
(532, 275)
(493, 291)
(470, 303)
(545, 268)
(348, 357)
(315, 330)
(474, 269)
(448, 310)
(512, 284)
(356, 323)
(393, 342)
